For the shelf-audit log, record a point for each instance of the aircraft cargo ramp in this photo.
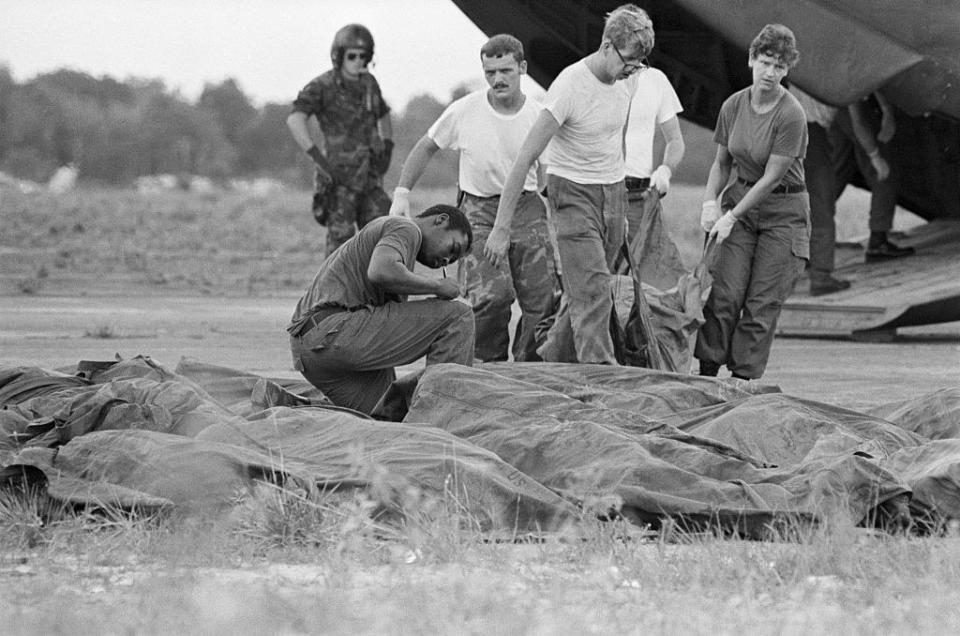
(916, 290)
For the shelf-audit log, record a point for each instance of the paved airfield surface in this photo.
(248, 333)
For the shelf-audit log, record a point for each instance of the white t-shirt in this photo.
(588, 147)
(488, 141)
(654, 103)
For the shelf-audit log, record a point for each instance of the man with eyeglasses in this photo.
(354, 121)
(585, 116)
(654, 108)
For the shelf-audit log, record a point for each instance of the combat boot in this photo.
(822, 283)
(879, 248)
(709, 369)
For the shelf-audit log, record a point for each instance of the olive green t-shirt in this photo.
(342, 280)
(751, 137)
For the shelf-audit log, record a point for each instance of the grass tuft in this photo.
(103, 331)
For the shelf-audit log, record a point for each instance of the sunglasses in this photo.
(632, 65)
(351, 56)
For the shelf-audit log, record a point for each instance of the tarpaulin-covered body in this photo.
(522, 447)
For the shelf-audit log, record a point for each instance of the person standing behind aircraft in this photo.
(355, 123)
(354, 323)
(764, 235)
(655, 106)
(487, 127)
(872, 122)
(585, 113)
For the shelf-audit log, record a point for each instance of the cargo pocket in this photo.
(800, 248)
(800, 242)
(324, 336)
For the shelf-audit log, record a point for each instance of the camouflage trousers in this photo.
(529, 277)
(344, 210)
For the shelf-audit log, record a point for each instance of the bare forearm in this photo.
(417, 162)
(410, 283)
(757, 193)
(297, 123)
(719, 174)
(510, 196)
(395, 278)
(673, 154)
(537, 139)
(674, 147)
(773, 174)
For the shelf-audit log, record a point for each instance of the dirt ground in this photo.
(54, 331)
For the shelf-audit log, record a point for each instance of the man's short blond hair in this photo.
(629, 24)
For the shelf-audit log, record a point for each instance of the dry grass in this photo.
(97, 240)
(292, 562)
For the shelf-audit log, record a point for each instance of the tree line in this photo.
(115, 131)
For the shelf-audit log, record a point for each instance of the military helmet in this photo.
(352, 36)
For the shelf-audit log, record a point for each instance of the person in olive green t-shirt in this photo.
(764, 230)
(354, 324)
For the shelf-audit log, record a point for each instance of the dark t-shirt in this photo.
(751, 137)
(342, 280)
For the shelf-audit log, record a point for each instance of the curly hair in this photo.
(457, 220)
(627, 23)
(776, 41)
(503, 44)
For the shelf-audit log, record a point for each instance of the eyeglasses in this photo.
(351, 56)
(633, 65)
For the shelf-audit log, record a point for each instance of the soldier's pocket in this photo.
(800, 242)
(324, 336)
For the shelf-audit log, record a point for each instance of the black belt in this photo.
(317, 317)
(780, 189)
(636, 183)
(464, 194)
(477, 196)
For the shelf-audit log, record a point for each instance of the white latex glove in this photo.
(660, 179)
(401, 202)
(721, 229)
(709, 215)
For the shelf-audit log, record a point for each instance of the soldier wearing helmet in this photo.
(355, 124)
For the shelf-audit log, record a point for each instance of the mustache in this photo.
(501, 85)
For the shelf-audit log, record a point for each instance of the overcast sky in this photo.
(271, 47)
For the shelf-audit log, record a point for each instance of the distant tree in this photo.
(265, 146)
(178, 138)
(111, 144)
(104, 90)
(417, 117)
(230, 106)
(462, 89)
(7, 88)
(116, 131)
(32, 116)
